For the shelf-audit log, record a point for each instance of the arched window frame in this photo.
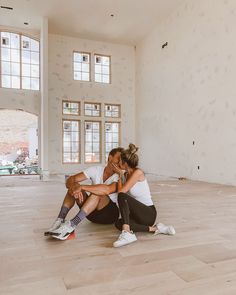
(32, 65)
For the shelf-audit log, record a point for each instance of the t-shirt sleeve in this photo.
(115, 177)
(90, 172)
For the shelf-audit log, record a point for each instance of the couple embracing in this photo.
(118, 189)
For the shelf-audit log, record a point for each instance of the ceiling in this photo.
(90, 19)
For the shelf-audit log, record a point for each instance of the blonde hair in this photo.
(130, 156)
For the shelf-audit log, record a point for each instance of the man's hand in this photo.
(75, 191)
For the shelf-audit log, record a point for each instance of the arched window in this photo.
(19, 61)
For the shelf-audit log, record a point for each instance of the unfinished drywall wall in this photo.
(63, 87)
(186, 106)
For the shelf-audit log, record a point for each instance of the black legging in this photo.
(134, 213)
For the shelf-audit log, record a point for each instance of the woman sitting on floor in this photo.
(135, 202)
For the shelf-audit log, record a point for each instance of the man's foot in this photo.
(57, 223)
(63, 232)
(125, 238)
(164, 229)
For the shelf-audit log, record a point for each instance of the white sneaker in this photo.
(57, 223)
(164, 229)
(63, 232)
(125, 238)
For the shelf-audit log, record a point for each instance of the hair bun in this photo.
(133, 148)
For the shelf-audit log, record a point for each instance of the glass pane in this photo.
(6, 54)
(85, 76)
(15, 69)
(25, 70)
(5, 39)
(34, 45)
(77, 76)
(35, 58)
(77, 57)
(105, 70)
(98, 69)
(25, 83)
(66, 158)
(15, 55)
(77, 66)
(35, 71)
(6, 81)
(25, 56)
(6, 68)
(106, 79)
(88, 147)
(15, 41)
(85, 68)
(34, 84)
(75, 157)
(106, 60)
(98, 78)
(15, 82)
(25, 43)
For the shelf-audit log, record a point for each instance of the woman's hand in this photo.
(118, 170)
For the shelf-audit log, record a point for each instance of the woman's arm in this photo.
(135, 177)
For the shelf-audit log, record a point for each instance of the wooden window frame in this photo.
(112, 104)
(94, 63)
(20, 51)
(90, 61)
(71, 101)
(87, 102)
(100, 141)
(119, 135)
(79, 154)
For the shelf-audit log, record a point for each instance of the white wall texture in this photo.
(186, 92)
(63, 87)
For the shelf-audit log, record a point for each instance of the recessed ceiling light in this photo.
(26, 23)
(7, 7)
(112, 15)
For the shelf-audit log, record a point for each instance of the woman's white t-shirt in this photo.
(95, 174)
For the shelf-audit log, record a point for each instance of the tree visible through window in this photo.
(102, 68)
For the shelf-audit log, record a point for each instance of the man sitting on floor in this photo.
(99, 206)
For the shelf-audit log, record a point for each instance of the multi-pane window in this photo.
(92, 142)
(102, 68)
(70, 108)
(30, 63)
(112, 136)
(81, 62)
(10, 60)
(112, 111)
(19, 61)
(92, 109)
(71, 141)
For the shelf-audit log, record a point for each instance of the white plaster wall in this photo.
(187, 92)
(62, 86)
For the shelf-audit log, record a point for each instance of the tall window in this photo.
(19, 61)
(71, 141)
(92, 142)
(30, 63)
(112, 136)
(102, 68)
(92, 109)
(81, 63)
(10, 60)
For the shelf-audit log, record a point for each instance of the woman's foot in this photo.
(125, 238)
(164, 229)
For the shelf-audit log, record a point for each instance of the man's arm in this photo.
(100, 189)
(75, 179)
